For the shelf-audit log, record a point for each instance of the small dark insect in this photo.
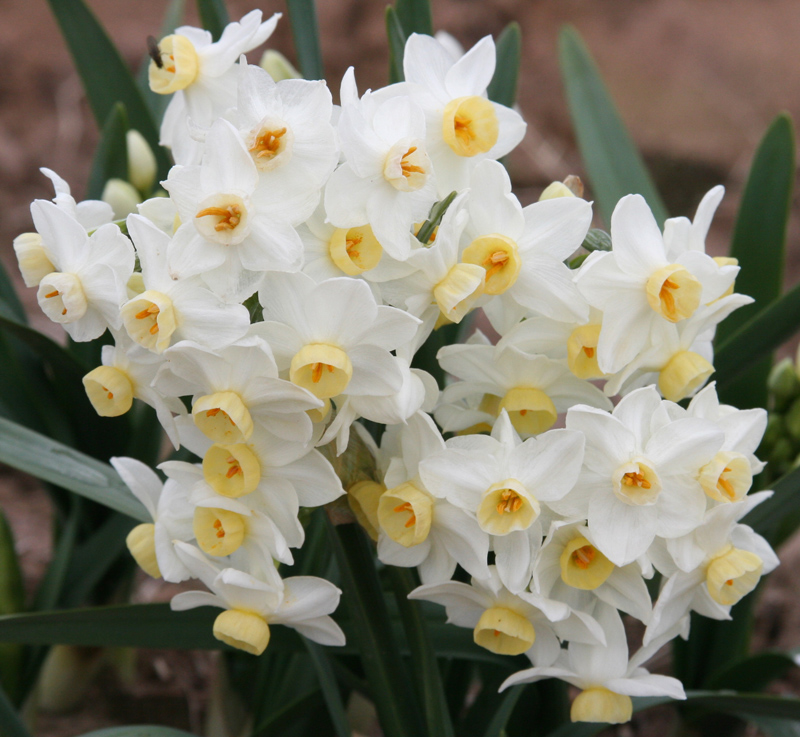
(154, 51)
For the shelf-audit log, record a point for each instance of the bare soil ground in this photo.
(697, 83)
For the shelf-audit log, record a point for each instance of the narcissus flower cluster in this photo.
(272, 297)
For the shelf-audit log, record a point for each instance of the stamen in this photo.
(151, 310)
(267, 144)
(316, 373)
(494, 263)
(636, 479)
(154, 328)
(588, 351)
(219, 528)
(583, 557)
(412, 520)
(409, 169)
(51, 294)
(230, 216)
(213, 412)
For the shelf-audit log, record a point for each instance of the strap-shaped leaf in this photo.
(66, 467)
(397, 44)
(9, 719)
(111, 155)
(330, 688)
(612, 162)
(305, 32)
(508, 50)
(759, 242)
(500, 719)
(415, 16)
(754, 672)
(778, 517)
(8, 294)
(213, 16)
(139, 730)
(106, 77)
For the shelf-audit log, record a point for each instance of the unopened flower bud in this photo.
(122, 196)
(141, 162)
(278, 66)
(783, 383)
(792, 420)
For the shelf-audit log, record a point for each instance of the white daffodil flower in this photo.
(603, 673)
(640, 474)
(333, 339)
(252, 604)
(712, 568)
(680, 357)
(573, 341)
(523, 250)
(507, 485)
(90, 273)
(127, 373)
(168, 505)
(236, 389)
(681, 234)
(509, 624)
(387, 179)
(532, 389)
(203, 75)
(286, 127)
(169, 310)
(233, 230)
(637, 285)
(463, 126)
(571, 569)
(416, 527)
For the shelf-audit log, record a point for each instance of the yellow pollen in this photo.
(726, 485)
(64, 311)
(218, 527)
(267, 144)
(234, 468)
(154, 328)
(589, 351)
(494, 263)
(407, 508)
(151, 310)
(462, 129)
(497, 633)
(583, 557)
(51, 294)
(511, 502)
(636, 479)
(409, 169)
(230, 216)
(352, 243)
(212, 412)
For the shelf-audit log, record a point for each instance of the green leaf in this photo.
(508, 50)
(9, 295)
(289, 714)
(414, 16)
(305, 32)
(437, 211)
(752, 673)
(612, 162)
(390, 688)
(68, 468)
(330, 687)
(50, 588)
(106, 77)
(397, 44)
(759, 244)
(776, 727)
(498, 724)
(139, 730)
(12, 600)
(9, 719)
(778, 517)
(213, 16)
(111, 155)
(428, 677)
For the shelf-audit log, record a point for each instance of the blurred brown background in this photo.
(696, 82)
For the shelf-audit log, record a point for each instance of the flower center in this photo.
(222, 218)
(109, 390)
(583, 566)
(405, 514)
(636, 483)
(223, 417)
(355, 250)
(470, 125)
(231, 470)
(219, 532)
(174, 65)
(150, 320)
(727, 477)
(507, 506)
(322, 369)
(271, 144)
(582, 352)
(498, 255)
(62, 298)
(530, 410)
(673, 292)
(407, 166)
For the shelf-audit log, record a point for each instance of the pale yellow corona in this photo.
(727, 261)
(110, 390)
(231, 470)
(673, 292)
(507, 506)
(141, 542)
(407, 166)
(732, 574)
(405, 514)
(582, 352)
(636, 483)
(555, 191)
(150, 320)
(223, 219)
(727, 477)
(457, 293)
(223, 418)
(175, 65)
(219, 532)
(363, 498)
(271, 144)
(598, 704)
(355, 250)
(32, 259)
(530, 410)
(243, 630)
(499, 256)
(324, 370)
(583, 566)
(685, 372)
(62, 298)
(504, 632)
(470, 126)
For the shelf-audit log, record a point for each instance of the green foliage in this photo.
(508, 50)
(612, 162)
(397, 43)
(414, 16)
(111, 155)
(303, 19)
(105, 75)
(213, 16)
